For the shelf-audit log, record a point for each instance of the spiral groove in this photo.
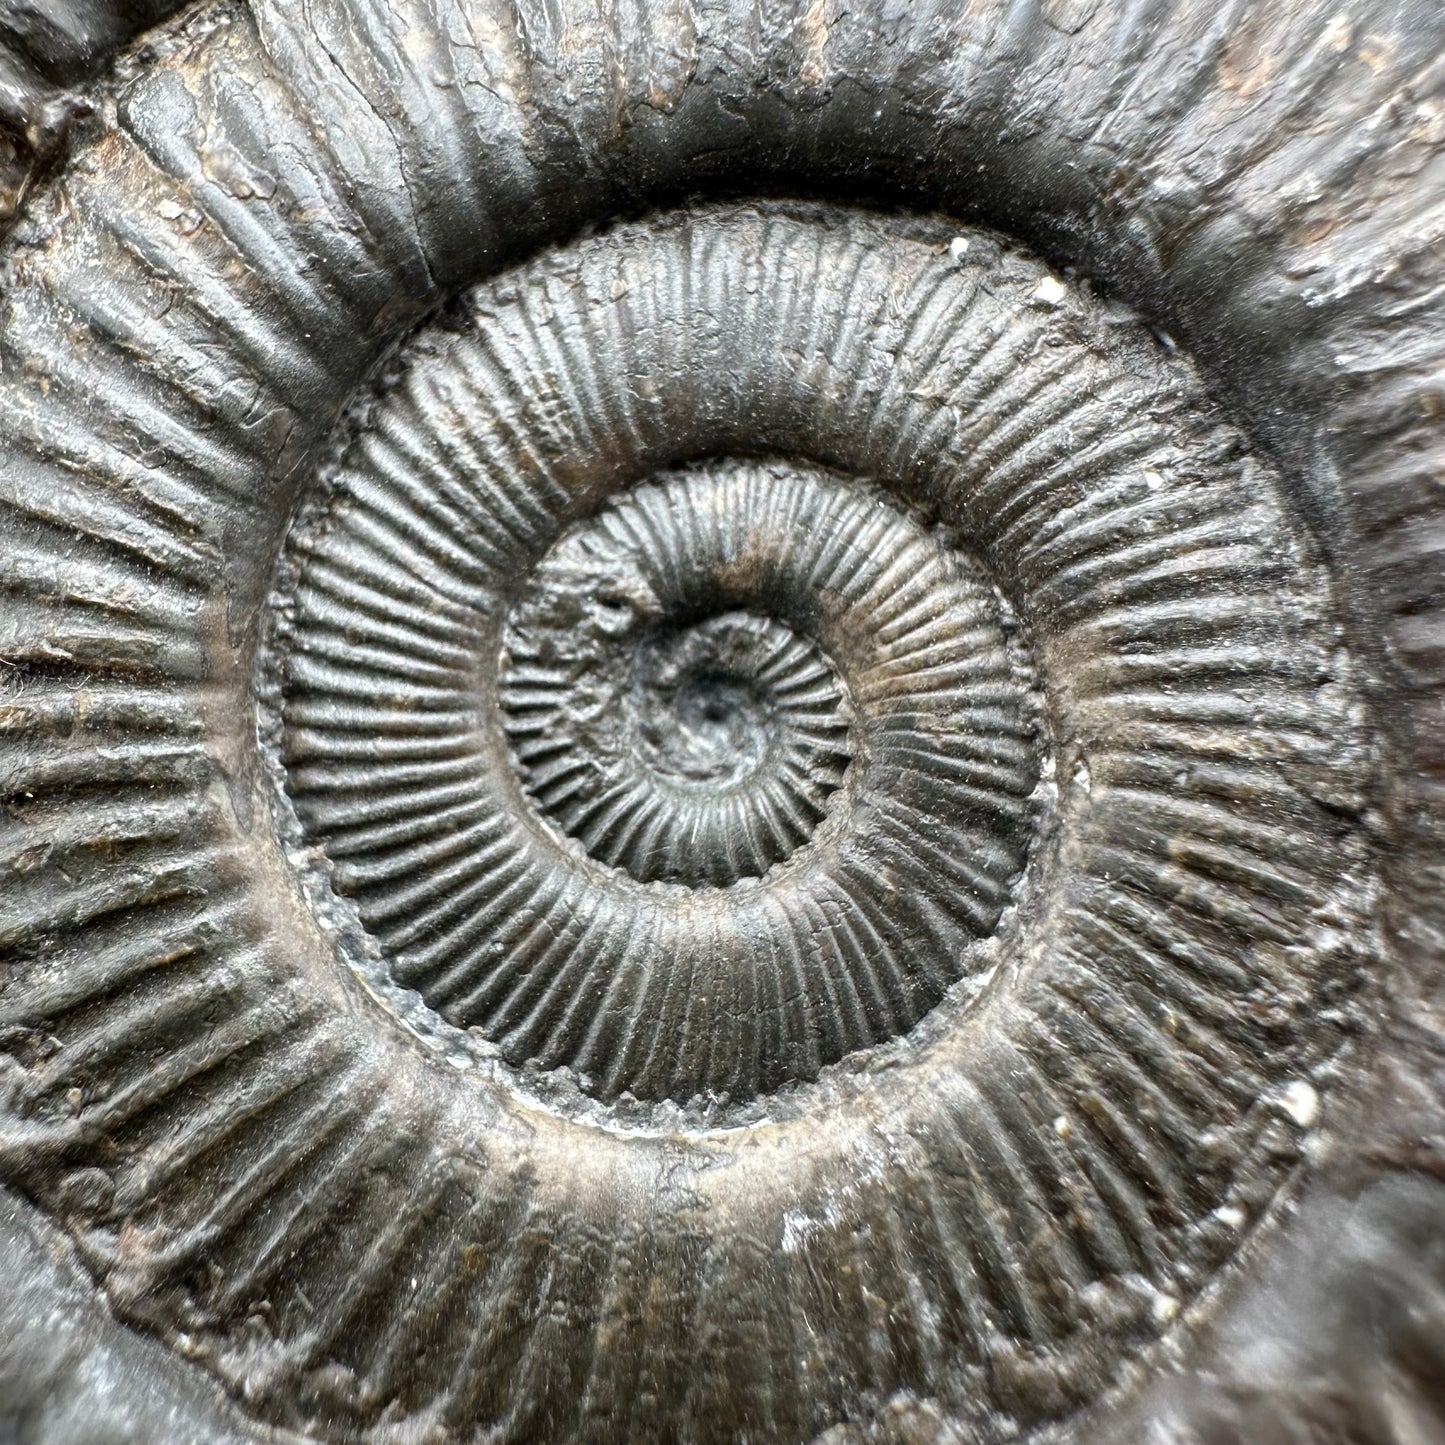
(752, 582)
(720, 766)
(1056, 637)
(754, 823)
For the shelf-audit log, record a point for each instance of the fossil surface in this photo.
(722, 722)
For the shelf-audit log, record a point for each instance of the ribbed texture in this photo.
(1050, 1191)
(993, 1216)
(503, 929)
(702, 756)
(1102, 1117)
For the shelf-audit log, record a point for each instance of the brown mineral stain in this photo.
(814, 29)
(1376, 53)
(1244, 68)
(673, 59)
(1315, 230)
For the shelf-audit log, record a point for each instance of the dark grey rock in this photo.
(722, 722)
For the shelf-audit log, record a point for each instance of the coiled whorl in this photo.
(643, 809)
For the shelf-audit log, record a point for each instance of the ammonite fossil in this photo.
(722, 723)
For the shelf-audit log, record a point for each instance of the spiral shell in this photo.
(639, 809)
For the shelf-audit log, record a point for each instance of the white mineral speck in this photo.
(1301, 1102)
(798, 1228)
(1050, 291)
(958, 248)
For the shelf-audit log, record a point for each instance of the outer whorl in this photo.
(640, 816)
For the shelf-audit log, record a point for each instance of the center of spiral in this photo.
(701, 719)
(716, 731)
(675, 741)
